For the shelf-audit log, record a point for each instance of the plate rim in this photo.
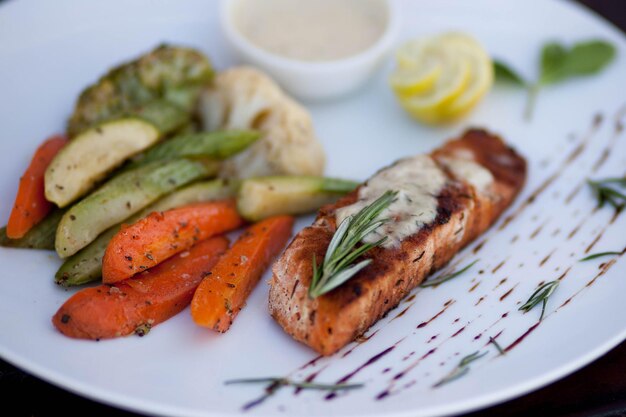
(492, 398)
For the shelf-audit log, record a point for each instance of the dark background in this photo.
(598, 390)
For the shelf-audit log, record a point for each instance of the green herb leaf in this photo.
(584, 58)
(553, 58)
(461, 369)
(598, 255)
(540, 295)
(505, 73)
(606, 193)
(589, 57)
(345, 247)
(558, 63)
(441, 280)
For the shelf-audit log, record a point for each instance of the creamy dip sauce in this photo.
(465, 169)
(418, 181)
(311, 30)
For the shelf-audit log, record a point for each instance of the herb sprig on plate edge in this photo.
(541, 295)
(606, 192)
(598, 255)
(344, 249)
(499, 348)
(464, 364)
(274, 384)
(461, 369)
(448, 277)
(559, 63)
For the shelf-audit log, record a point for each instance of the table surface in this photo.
(598, 390)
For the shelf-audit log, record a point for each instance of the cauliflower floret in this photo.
(244, 98)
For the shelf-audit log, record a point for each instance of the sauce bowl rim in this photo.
(361, 58)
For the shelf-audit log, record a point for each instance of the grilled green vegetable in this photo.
(270, 196)
(200, 192)
(215, 145)
(41, 236)
(186, 97)
(170, 73)
(86, 265)
(92, 155)
(188, 128)
(123, 196)
(165, 116)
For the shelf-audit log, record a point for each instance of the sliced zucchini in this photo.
(86, 265)
(216, 145)
(92, 155)
(123, 196)
(41, 236)
(263, 197)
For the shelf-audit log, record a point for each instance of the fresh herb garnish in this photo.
(607, 194)
(276, 383)
(559, 63)
(448, 277)
(461, 369)
(286, 382)
(505, 73)
(540, 295)
(337, 266)
(497, 345)
(598, 255)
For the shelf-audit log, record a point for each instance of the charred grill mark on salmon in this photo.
(343, 314)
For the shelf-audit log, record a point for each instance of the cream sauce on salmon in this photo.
(418, 181)
(469, 171)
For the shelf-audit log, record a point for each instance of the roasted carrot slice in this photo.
(155, 238)
(139, 303)
(223, 292)
(31, 205)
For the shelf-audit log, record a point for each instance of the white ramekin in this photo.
(313, 80)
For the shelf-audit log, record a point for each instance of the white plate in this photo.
(50, 50)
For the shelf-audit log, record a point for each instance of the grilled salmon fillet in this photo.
(466, 206)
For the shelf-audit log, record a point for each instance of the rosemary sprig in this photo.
(461, 369)
(607, 194)
(286, 382)
(540, 295)
(598, 255)
(448, 277)
(497, 345)
(338, 265)
(274, 384)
